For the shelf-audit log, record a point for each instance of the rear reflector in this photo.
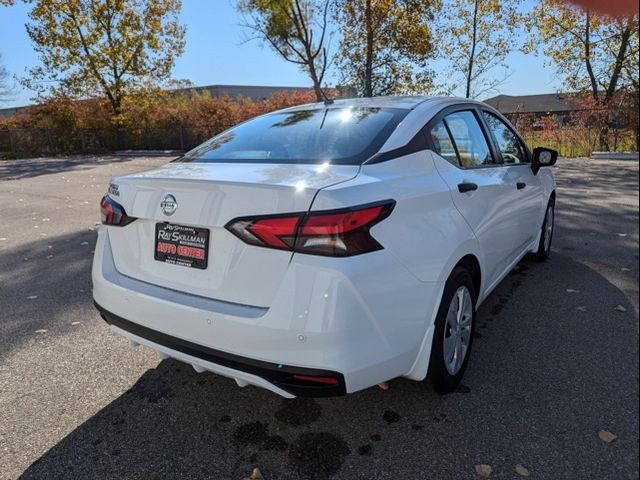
(313, 379)
(336, 233)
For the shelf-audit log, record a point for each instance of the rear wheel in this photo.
(453, 334)
(544, 247)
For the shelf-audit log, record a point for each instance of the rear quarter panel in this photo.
(425, 232)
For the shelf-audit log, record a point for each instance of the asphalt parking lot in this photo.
(555, 361)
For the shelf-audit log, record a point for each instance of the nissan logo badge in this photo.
(168, 204)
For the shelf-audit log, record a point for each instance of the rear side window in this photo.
(506, 140)
(344, 136)
(443, 145)
(468, 139)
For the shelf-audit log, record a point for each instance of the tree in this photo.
(6, 90)
(385, 44)
(593, 53)
(297, 30)
(479, 35)
(103, 47)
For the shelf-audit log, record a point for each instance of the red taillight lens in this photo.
(336, 233)
(269, 231)
(112, 213)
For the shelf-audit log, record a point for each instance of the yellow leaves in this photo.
(104, 48)
(384, 43)
(570, 38)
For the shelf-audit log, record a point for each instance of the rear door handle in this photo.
(521, 185)
(467, 187)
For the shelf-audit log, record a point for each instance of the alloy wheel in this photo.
(457, 333)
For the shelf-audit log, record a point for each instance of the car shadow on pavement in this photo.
(532, 395)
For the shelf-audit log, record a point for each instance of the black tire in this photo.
(442, 379)
(544, 248)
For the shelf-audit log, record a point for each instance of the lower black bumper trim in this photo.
(281, 376)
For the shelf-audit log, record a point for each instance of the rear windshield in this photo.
(343, 136)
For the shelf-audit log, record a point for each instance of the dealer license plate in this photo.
(181, 245)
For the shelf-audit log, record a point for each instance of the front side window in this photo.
(343, 136)
(468, 139)
(507, 141)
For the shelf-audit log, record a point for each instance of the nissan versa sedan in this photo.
(325, 248)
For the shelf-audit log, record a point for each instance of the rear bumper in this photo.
(339, 319)
(281, 376)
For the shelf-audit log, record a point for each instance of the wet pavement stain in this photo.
(275, 442)
(365, 449)
(318, 455)
(299, 411)
(251, 433)
(391, 417)
(375, 437)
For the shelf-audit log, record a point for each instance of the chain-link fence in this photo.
(51, 141)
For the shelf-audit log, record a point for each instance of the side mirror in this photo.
(543, 157)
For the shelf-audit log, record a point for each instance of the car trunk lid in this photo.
(208, 196)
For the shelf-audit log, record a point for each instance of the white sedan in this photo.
(325, 248)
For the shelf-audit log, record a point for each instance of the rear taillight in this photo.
(112, 213)
(336, 233)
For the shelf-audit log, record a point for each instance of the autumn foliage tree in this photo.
(156, 119)
(478, 36)
(593, 53)
(107, 48)
(6, 88)
(385, 44)
(297, 30)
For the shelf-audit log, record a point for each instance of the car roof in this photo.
(401, 102)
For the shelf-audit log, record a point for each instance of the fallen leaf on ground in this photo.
(384, 385)
(84, 243)
(32, 297)
(622, 234)
(620, 308)
(42, 330)
(607, 437)
(75, 323)
(581, 308)
(571, 290)
(521, 470)
(49, 257)
(483, 470)
(256, 474)
(624, 269)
